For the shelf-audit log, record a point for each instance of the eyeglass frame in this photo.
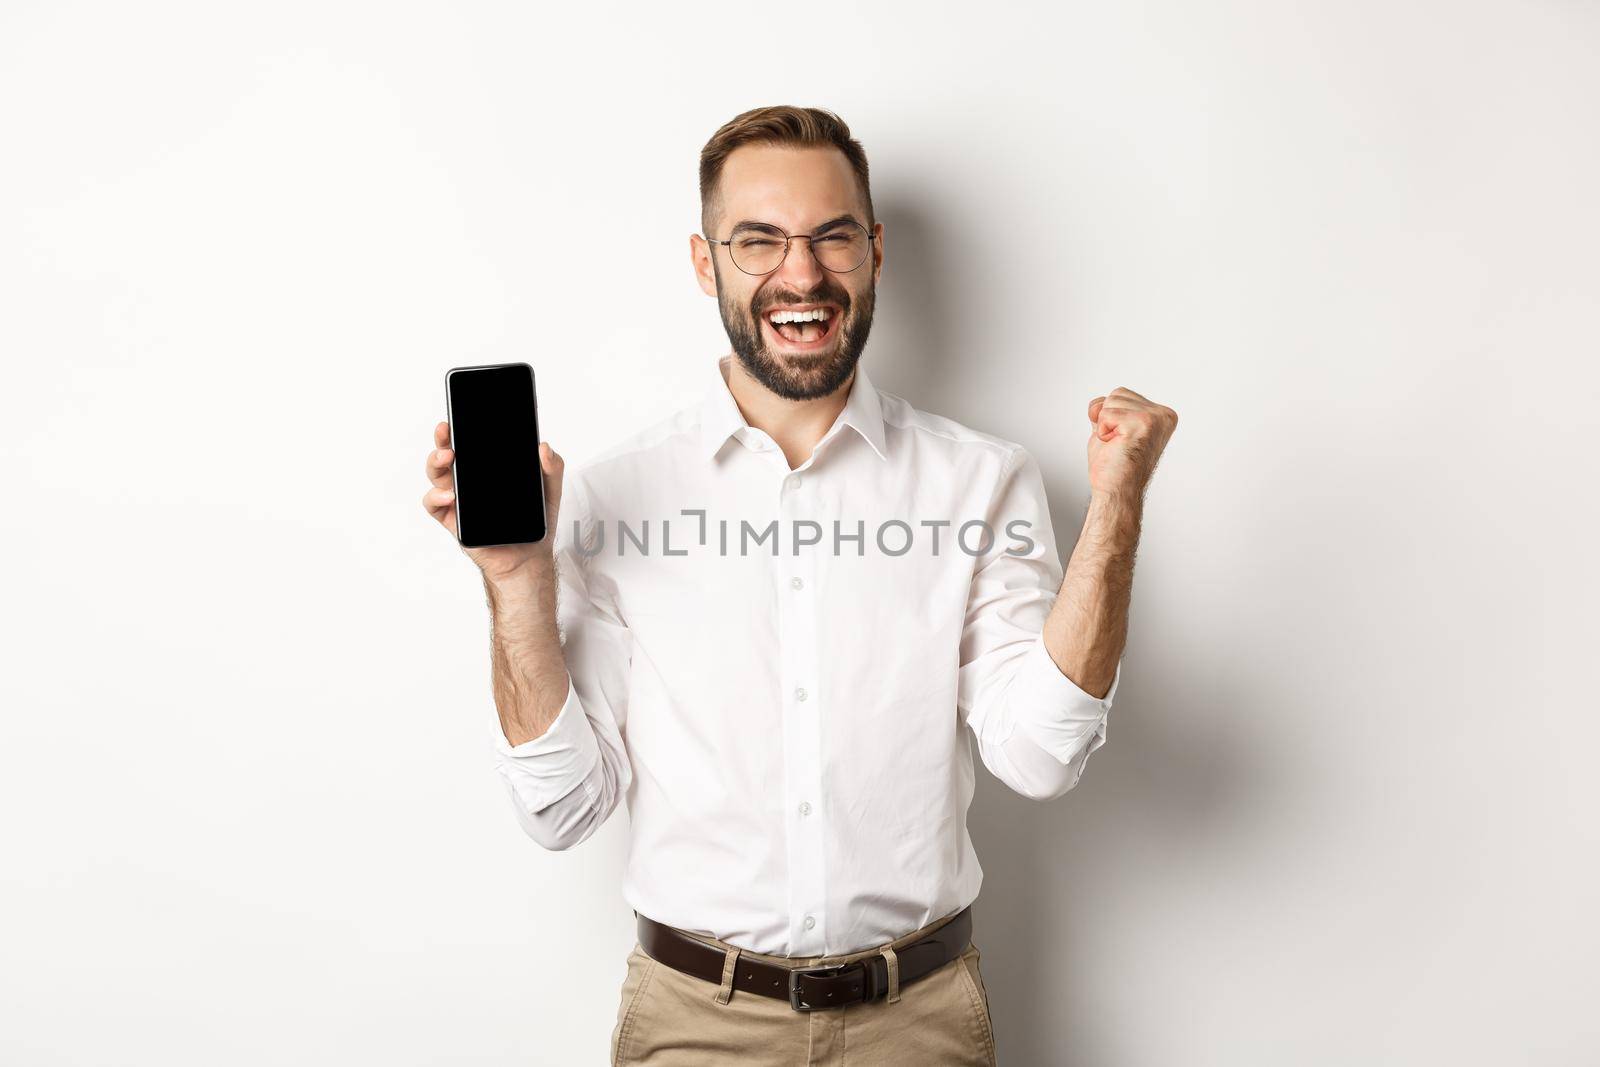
(787, 239)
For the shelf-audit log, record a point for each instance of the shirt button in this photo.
(799, 694)
(810, 922)
(796, 583)
(805, 807)
(794, 481)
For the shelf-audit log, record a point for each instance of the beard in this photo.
(799, 377)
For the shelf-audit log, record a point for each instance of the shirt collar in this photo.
(720, 417)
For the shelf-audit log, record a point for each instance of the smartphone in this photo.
(494, 437)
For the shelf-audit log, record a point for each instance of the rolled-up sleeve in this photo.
(1034, 726)
(566, 782)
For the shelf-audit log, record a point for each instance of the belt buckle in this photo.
(817, 972)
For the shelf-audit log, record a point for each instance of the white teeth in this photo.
(818, 315)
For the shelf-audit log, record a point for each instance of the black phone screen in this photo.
(494, 432)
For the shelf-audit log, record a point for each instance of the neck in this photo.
(796, 425)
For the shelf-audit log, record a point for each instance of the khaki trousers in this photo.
(670, 1019)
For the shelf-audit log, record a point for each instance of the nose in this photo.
(800, 268)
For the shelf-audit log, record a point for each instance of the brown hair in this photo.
(778, 125)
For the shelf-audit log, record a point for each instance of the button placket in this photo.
(802, 720)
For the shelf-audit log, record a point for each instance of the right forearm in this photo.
(530, 671)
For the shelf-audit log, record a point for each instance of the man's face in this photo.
(796, 190)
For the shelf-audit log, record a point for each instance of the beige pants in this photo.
(670, 1019)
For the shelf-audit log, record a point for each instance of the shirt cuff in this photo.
(1053, 710)
(547, 768)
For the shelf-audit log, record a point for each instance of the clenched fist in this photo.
(1129, 435)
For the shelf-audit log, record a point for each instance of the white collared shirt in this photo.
(781, 669)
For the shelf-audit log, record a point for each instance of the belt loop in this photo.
(730, 963)
(894, 973)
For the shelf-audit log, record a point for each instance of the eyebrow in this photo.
(838, 220)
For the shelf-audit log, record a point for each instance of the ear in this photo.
(700, 253)
(877, 252)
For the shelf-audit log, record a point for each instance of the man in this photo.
(783, 610)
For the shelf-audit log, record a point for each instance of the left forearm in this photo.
(1087, 628)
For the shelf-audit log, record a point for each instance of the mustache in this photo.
(821, 296)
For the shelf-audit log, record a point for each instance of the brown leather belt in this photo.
(809, 988)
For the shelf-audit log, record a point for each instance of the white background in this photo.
(1348, 812)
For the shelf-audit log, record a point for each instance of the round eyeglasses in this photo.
(762, 249)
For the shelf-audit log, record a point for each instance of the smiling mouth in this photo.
(802, 336)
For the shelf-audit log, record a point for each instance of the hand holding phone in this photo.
(495, 486)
